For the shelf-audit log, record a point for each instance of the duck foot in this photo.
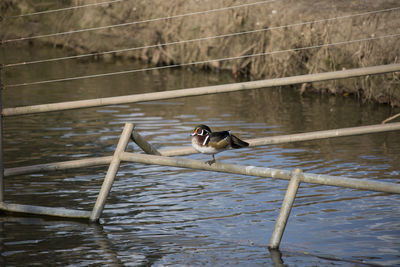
(210, 162)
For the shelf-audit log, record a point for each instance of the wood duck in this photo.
(208, 142)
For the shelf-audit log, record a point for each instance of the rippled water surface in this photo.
(161, 216)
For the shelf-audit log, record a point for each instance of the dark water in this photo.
(168, 216)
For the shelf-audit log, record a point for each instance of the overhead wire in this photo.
(136, 22)
(202, 38)
(63, 9)
(203, 62)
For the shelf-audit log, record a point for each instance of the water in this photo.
(168, 216)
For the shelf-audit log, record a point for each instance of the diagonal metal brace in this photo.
(111, 173)
(143, 144)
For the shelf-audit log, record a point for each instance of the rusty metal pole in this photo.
(285, 209)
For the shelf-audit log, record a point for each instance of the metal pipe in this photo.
(56, 166)
(143, 144)
(1, 142)
(361, 184)
(46, 211)
(190, 150)
(376, 128)
(285, 209)
(308, 78)
(111, 173)
(298, 137)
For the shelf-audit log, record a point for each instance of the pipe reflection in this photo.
(276, 257)
(48, 240)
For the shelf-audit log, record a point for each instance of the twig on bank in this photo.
(391, 118)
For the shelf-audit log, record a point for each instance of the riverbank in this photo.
(268, 16)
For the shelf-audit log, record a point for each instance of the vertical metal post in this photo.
(112, 171)
(285, 209)
(1, 142)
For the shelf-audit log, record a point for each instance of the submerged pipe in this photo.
(45, 211)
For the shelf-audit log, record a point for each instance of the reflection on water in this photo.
(169, 216)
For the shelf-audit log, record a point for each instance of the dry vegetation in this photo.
(381, 88)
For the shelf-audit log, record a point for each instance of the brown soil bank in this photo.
(270, 16)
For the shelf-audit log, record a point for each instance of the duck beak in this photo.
(194, 133)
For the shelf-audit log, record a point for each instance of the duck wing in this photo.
(219, 140)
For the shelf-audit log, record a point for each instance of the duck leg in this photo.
(211, 161)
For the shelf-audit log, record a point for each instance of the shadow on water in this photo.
(168, 216)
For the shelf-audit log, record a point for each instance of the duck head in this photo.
(201, 130)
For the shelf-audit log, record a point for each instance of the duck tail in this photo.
(237, 143)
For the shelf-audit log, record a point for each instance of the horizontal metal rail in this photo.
(88, 162)
(361, 184)
(202, 90)
(310, 136)
(56, 166)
